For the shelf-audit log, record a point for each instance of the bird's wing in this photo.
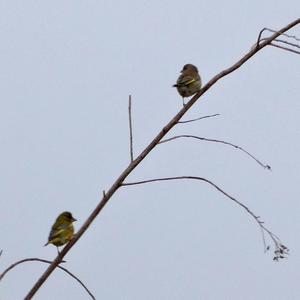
(57, 229)
(185, 80)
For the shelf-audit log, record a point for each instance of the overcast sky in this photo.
(67, 68)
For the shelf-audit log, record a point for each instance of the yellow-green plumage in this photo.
(62, 230)
(189, 82)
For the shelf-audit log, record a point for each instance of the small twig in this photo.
(266, 248)
(286, 42)
(259, 36)
(216, 141)
(259, 39)
(283, 42)
(280, 250)
(130, 129)
(47, 262)
(193, 120)
(284, 48)
(284, 34)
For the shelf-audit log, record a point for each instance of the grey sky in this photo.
(67, 68)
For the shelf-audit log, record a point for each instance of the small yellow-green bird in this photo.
(189, 82)
(62, 230)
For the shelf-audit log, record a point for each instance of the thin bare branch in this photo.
(284, 34)
(130, 129)
(284, 48)
(283, 42)
(216, 141)
(266, 248)
(118, 182)
(47, 262)
(286, 42)
(280, 250)
(197, 119)
(259, 39)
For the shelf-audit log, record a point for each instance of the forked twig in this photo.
(216, 141)
(294, 37)
(47, 262)
(282, 47)
(280, 250)
(259, 40)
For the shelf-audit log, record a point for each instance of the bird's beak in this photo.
(73, 219)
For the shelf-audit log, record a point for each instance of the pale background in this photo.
(67, 68)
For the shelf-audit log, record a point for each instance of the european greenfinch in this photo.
(62, 230)
(189, 82)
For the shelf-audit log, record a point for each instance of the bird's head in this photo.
(189, 68)
(66, 215)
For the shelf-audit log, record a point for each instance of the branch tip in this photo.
(216, 141)
(280, 251)
(197, 119)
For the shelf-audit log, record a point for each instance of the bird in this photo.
(189, 81)
(62, 231)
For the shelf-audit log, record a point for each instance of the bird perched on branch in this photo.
(62, 230)
(189, 82)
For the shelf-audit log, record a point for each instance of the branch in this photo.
(130, 129)
(197, 119)
(284, 34)
(280, 250)
(279, 41)
(47, 262)
(285, 48)
(286, 42)
(259, 37)
(216, 141)
(115, 186)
